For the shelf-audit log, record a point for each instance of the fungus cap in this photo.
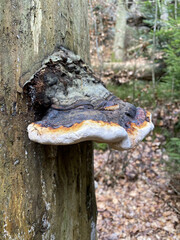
(55, 130)
(79, 108)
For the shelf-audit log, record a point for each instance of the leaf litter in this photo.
(133, 193)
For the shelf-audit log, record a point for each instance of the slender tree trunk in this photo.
(118, 49)
(46, 192)
(154, 46)
(164, 11)
(175, 9)
(93, 16)
(173, 79)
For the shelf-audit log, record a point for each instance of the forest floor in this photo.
(134, 194)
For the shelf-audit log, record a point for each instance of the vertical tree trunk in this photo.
(154, 46)
(175, 9)
(118, 49)
(164, 11)
(46, 192)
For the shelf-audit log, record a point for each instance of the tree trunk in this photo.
(46, 192)
(119, 41)
(164, 13)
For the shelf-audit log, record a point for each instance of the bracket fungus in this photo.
(77, 107)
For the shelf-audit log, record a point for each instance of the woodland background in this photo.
(135, 49)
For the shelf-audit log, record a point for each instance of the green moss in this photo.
(101, 146)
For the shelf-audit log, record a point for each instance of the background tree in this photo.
(120, 32)
(46, 192)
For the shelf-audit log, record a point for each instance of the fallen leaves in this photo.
(132, 194)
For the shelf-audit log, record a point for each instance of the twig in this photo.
(174, 189)
(169, 205)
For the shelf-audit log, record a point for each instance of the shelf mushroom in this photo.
(77, 107)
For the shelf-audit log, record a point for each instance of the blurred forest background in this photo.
(135, 49)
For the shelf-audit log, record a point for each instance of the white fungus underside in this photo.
(133, 139)
(116, 136)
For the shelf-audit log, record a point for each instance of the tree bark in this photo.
(46, 192)
(119, 41)
(164, 11)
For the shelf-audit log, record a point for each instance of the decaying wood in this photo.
(139, 46)
(136, 69)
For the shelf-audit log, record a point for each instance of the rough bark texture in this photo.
(45, 192)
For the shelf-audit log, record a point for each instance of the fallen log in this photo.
(139, 69)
